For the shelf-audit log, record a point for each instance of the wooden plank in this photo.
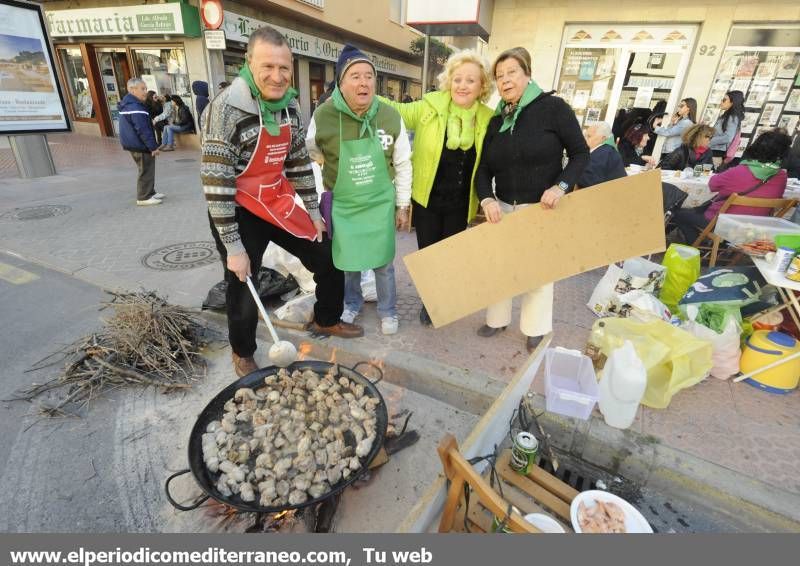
(480, 518)
(534, 246)
(540, 494)
(548, 481)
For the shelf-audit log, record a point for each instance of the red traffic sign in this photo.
(212, 14)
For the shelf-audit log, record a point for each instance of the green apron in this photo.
(363, 211)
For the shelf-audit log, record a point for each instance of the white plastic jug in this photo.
(622, 386)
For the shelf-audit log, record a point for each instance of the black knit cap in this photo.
(350, 55)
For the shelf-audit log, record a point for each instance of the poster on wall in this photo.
(31, 100)
(780, 88)
(789, 65)
(567, 91)
(749, 122)
(770, 115)
(793, 104)
(586, 72)
(789, 121)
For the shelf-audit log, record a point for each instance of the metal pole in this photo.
(425, 56)
(32, 155)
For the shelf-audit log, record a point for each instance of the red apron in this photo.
(264, 190)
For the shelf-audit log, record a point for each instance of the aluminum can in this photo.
(783, 257)
(523, 452)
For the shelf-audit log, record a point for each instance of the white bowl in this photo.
(544, 523)
(634, 521)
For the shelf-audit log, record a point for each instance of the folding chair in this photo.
(778, 207)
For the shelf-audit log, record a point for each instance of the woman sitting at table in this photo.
(693, 151)
(632, 145)
(758, 175)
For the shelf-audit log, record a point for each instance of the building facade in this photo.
(602, 55)
(100, 44)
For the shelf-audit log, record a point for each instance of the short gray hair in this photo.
(268, 34)
(134, 82)
(602, 128)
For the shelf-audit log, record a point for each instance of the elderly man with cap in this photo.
(605, 162)
(367, 177)
(254, 164)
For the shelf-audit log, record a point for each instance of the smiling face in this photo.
(511, 80)
(358, 87)
(271, 66)
(465, 86)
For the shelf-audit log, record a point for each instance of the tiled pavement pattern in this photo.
(104, 237)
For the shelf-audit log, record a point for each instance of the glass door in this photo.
(114, 75)
(586, 81)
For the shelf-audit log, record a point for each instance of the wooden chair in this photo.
(471, 502)
(778, 207)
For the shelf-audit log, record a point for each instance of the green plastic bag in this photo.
(674, 359)
(683, 269)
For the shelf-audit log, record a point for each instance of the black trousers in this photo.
(434, 225)
(690, 221)
(256, 234)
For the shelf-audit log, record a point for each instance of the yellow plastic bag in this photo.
(674, 359)
(683, 269)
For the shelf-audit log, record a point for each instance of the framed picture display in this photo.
(749, 122)
(793, 103)
(780, 90)
(789, 121)
(789, 65)
(756, 97)
(770, 115)
(766, 70)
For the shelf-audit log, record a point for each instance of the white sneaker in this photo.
(159, 196)
(148, 202)
(348, 316)
(389, 324)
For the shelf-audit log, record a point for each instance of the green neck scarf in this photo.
(510, 112)
(760, 170)
(267, 107)
(461, 126)
(610, 141)
(341, 105)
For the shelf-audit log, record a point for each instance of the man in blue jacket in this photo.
(137, 136)
(605, 162)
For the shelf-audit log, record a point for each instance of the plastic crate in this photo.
(741, 229)
(570, 384)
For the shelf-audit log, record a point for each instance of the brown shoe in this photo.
(243, 366)
(341, 329)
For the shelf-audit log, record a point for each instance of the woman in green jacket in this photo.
(449, 126)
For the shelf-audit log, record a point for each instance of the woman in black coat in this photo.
(693, 151)
(523, 154)
(631, 146)
(182, 121)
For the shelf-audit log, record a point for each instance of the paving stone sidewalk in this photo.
(101, 236)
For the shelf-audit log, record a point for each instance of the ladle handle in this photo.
(262, 310)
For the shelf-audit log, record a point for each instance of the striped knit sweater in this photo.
(229, 131)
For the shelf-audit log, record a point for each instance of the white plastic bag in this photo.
(635, 274)
(300, 309)
(368, 289)
(725, 352)
(275, 257)
(642, 306)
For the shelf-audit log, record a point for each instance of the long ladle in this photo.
(282, 352)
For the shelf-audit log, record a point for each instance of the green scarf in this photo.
(341, 105)
(461, 126)
(610, 141)
(267, 107)
(510, 112)
(760, 170)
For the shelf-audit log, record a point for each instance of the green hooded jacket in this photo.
(428, 119)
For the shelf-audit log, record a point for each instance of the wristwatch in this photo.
(563, 186)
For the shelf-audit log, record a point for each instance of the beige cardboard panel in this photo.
(590, 228)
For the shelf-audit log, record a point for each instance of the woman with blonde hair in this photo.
(449, 126)
(693, 151)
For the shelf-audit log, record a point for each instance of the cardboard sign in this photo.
(589, 228)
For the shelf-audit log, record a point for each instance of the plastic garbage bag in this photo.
(674, 359)
(286, 264)
(268, 282)
(635, 273)
(300, 309)
(733, 287)
(683, 269)
(725, 352)
(714, 315)
(642, 306)
(368, 289)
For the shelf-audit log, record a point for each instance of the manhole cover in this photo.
(185, 160)
(38, 212)
(181, 256)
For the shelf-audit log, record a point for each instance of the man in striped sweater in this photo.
(254, 161)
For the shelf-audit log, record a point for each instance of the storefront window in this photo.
(164, 70)
(763, 64)
(77, 82)
(587, 77)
